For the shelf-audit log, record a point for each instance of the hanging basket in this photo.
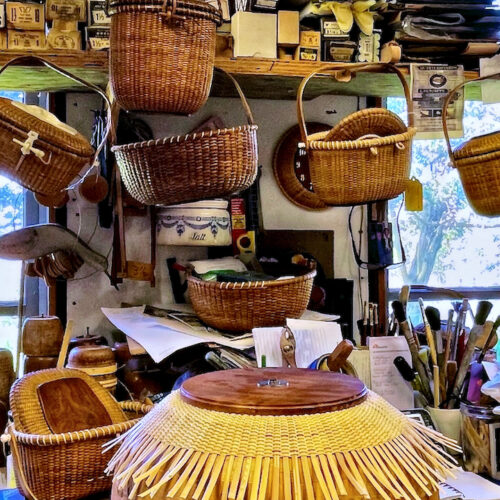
(478, 163)
(191, 167)
(374, 164)
(36, 149)
(278, 434)
(162, 54)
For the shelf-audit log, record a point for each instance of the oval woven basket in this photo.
(352, 172)
(191, 167)
(239, 307)
(260, 434)
(162, 54)
(36, 153)
(478, 163)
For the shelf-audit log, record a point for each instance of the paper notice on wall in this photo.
(490, 89)
(430, 85)
(385, 377)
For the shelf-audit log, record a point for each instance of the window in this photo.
(447, 245)
(17, 208)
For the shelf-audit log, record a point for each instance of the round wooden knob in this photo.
(87, 356)
(273, 391)
(56, 200)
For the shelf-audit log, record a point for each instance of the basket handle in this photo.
(244, 102)
(91, 86)
(350, 68)
(446, 103)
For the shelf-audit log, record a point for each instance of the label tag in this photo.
(414, 195)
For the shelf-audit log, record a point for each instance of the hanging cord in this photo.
(361, 226)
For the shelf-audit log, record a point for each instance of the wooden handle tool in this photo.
(65, 343)
(339, 355)
(432, 347)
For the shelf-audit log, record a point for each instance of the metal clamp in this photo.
(273, 382)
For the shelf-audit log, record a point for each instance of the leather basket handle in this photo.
(351, 68)
(446, 103)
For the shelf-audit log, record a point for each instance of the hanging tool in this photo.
(288, 347)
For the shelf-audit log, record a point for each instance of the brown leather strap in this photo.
(338, 69)
(31, 60)
(244, 102)
(446, 103)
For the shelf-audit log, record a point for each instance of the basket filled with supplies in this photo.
(162, 54)
(62, 419)
(191, 167)
(36, 149)
(366, 157)
(478, 163)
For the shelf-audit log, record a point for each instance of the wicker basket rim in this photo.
(42, 140)
(252, 284)
(184, 138)
(85, 434)
(466, 161)
(364, 143)
(190, 8)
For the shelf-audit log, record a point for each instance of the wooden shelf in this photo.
(91, 66)
(259, 78)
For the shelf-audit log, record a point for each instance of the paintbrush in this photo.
(405, 330)
(370, 317)
(462, 313)
(446, 355)
(434, 318)
(432, 347)
(482, 312)
(365, 323)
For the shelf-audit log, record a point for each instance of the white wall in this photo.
(85, 297)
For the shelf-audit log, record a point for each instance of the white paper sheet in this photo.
(490, 92)
(158, 336)
(471, 486)
(313, 338)
(385, 377)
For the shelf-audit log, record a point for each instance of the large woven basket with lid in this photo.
(284, 434)
(373, 164)
(478, 164)
(162, 54)
(191, 167)
(37, 150)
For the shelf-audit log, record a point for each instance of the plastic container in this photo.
(203, 223)
(480, 432)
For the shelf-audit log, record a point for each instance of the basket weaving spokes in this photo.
(408, 466)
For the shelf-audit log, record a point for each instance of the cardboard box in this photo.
(97, 13)
(25, 16)
(338, 51)
(288, 28)
(263, 5)
(66, 9)
(3, 22)
(330, 29)
(58, 39)
(26, 40)
(3, 39)
(310, 39)
(97, 37)
(255, 35)
(307, 54)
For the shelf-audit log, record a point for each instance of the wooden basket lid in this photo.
(16, 117)
(273, 391)
(477, 146)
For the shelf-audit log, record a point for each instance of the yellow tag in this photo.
(414, 197)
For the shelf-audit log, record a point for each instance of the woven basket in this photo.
(278, 434)
(62, 466)
(239, 307)
(38, 155)
(191, 167)
(478, 163)
(352, 172)
(162, 54)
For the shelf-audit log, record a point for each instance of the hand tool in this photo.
(339, 356)
(288, 347)
(432, 346)
(405, 330)
(462, 313)
(446, 355)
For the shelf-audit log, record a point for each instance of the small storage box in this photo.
(255, 35)
(203, 223)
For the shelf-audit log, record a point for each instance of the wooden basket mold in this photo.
(191, 167)
(162, 54)
(369, 168)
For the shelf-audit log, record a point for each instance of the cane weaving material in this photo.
(208, 442)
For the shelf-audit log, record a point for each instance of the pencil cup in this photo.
(448, 422)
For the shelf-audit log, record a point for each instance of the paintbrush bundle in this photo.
(277, 433)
